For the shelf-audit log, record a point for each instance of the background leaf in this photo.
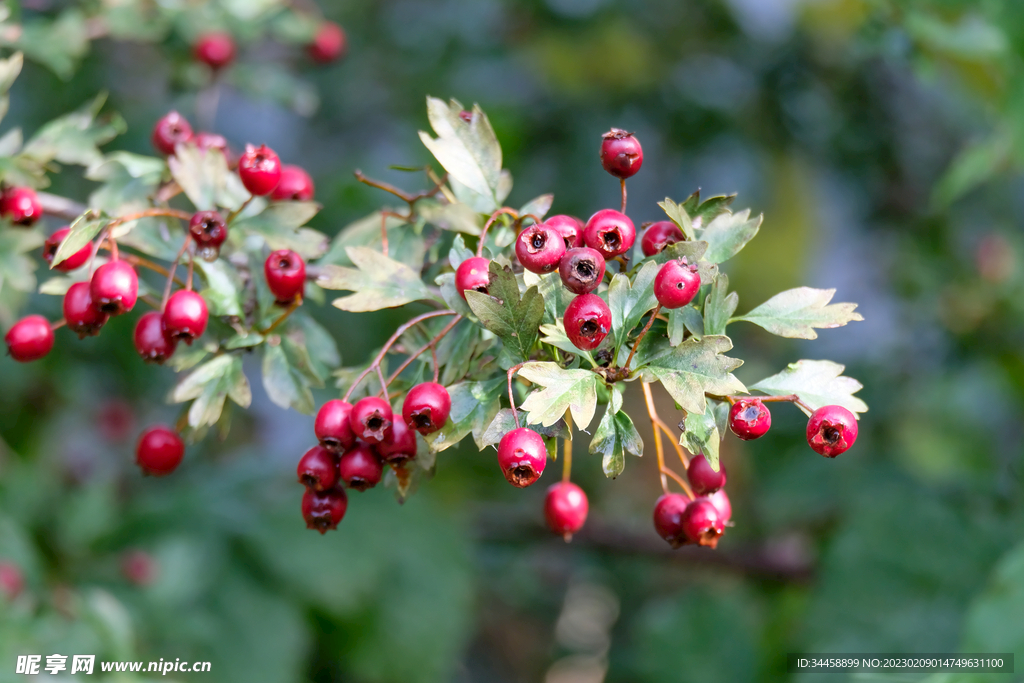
(796, 312)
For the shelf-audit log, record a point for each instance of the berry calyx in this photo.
(426, 407)
(286, 275)
(208, 229)
(539, 248)
(295, 185)
(260, 170)
(360, 468)
(749, 419)
(581, 269)
(185, 316)
(668, 518)
(587, 321)
(328, 44)
(565, 508)
(332, 425)
(21, 206)
(609, 232)
(472, 274)
(151, 339)
(703, 479)
(702, 523)
(29, 339)
(522, 456)
(721, 502)
(831, 430)
(216, 49)
(80, 315)
(11, 580)
(169, 132)
(73, 262)
(399, 446)
(621, 154)
(676, 283)
(159, 451)
(318, 469)
(205, 141)
(371, 419)
(659, 235)
(114, 287)
(569, 227)
(324, 510)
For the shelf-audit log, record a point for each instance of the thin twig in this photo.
(60, 207)
(408, 198)
(643, 333)
(511, 398)
(234, 214)
(567, 449)
(174, 267)
(662, 468)
(622, 181)
(296, 302)
(487, 226)
(429, 345)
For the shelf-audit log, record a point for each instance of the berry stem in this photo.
(622, 182)
(643, 332)
(234, 214)
(511, 398)
(788, 398)
(384, 227)
(429, 345)
(675, 443)
(383, 383)
(406, 197)
(567, 449)
(149, 265)
(487, 226)
(296, 302)
(150, 213)
(58, 324)
(174, 266)
(433, 359)
(191, 268)
(656, 426)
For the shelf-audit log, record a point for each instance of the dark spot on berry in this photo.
(523, 475)
(374, 423)
(421, 419)
(750, 413)
(481, 289)
(831, 434)
(309, 480)
(537, 240)
(585, 270)
(611, 239)
(110, 306)
(359, 484)
(331, 444)
(588, 328)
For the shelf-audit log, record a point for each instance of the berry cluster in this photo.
(217, 49)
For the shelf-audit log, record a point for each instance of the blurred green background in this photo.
(882, 140)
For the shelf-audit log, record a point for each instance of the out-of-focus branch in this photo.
(60, 207)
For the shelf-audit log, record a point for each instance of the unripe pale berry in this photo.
(426, 407)
(295, 185)
(587, 321)
(702, 523)
(659, 235)
(621, 154)
(260, 170)
(569, 227)
(328, 44)
(703, 479)
(286, 275)
(472, 274)
(215, 49)
(159, 451)
(21, 206)
(749, 418)
(676, 283)
(609, 232)
(360, 468)
(185, 316)
(29, 339)
(522, 456)
(318, 469)
(371, 419)
(151, 339)
(399, 445)
(324, 510)
(170, 131)
(539, 248)
(581, 269)
(80, 315)
(668, 518)
(73, 262)
(332, 426)
(831, 430)
(565, 508)
(114, 287)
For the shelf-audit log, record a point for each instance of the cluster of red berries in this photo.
(217, 49)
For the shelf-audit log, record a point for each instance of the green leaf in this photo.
(573, 390)
(727, 234)
(209, 385)
(513, 319)
(474, 405)
(459, 252)
(378, 282)
(555, 336)
(285, 385)
(556, 297)
(693, 252)
(615, 436)
(446, 281)
(75, 138)
(279, 224)
(702, 213)
(701, 436)
(504, 422)
(629, 302)
(682, 319)
(57, 44)
(538, 206)
(678, 214)
(694, 368)
(129, 180)
(17, 268)
(455, 217)
(223, 288)
(9, 70)
(404, 244)
(974, 165)
(201, 174)
(319, 344)
(83, 230)
(818, 383)
(796, 312)
(719, 306)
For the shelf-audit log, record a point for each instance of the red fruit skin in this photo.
(721, 502)
(676, 284)
(295, 185)
(21, 206)
(208, 228)
(73, 262)
(587, 321)
(318, 469)
(831, 430)
(703, 479)
(539, 248)
(185, 316)
(581, 269)
(371, 419)
(169, 132)
(569, 227)
(286, 275)
(360, 468)
(114, 287)
(668, 518)
(80, 315)
(324, 510)
(332, 426)
(215, 49)
(12, 582)
(159, 451)
(426, 408)
(472, 274)
(260, 170)
(205, 141)
(139, 567)
(399, 446)
(702, 523)
(609, 232)
(329, 43)
(565, 508)
(621, 154)
(659, 235)
(522, 456)
(151, 339)
(749, 419)
(29, 339)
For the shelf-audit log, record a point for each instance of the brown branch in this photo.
(60, 207)
(429, 345)
(408, 198)
(487, 226)
(639, 339)
(511, 399)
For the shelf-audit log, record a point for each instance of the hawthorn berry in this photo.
(11, 580)
(205, 141)
(215, 49)
(721, 502)
(152, 341)
(318, 469)
(80, 315)
(260, 170)
(668, 518)
(185, 316)
(159, 451)
(581, 270)
(332, 426)
(472, 274)
(286, 275)
(29, 339)
(139, 567)
(609, 232)
(114, 287)
(539, 248)
(328, 44)
(831, 430)
(703, 478)
(426, 407)
(676, 283)
(749, 419)
(587, 321)
(20, 205)
(659, 235)
(371, 419)
(324, 510)
(569, 227)
(209, 231)
(399, 445)
(702, 523)
(360, 468)
(295, 185)
(169, 132)
(522, 456)
(621, 154)
(565, 508)
(73, 262)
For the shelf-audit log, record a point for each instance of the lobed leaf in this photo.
(615, 436)
(796, 312)
(694, 368)
(629, 302)
(703, 212)
(727, 234)
(378, 282)
(474, 405)
(678, 214)
(83, 230)
(209, 385)
(572, 390)
(513, 319)
(701, 435)
(504, 422)
(719, 306)
(818, 383)
(285, 385)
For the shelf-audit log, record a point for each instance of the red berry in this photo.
(587, 321)
(472, 274)
(81, 316)
(522, 456)
(539, 248)
(722, 504)
(610, 232)
(702, 523)
(159, 451)
(260, 170)
(205, 141)
(668, 518)
(295, 185)
(360, 468)
(286, 275)
(831, 430)
(20, 205)
(426, 407)
(139, 567)
(73, 262)
(324, 510)
(332, 426)
(170, 131)
(208, 229)
(659, 235)
(581, 270)
(621, 154)
(185, 316)
(565, 508)
(11, 580)
(371, 419)
(216, 49)
(318, 469)
(399, 445)
(703, 479)
(114, 287)
(29, 339)
(152, 341)
(569, 227)
(328, 44)
(676, 283)
(749, 419)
